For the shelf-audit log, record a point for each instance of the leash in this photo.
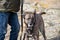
(22, 1)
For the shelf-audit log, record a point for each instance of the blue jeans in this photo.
(11, 19)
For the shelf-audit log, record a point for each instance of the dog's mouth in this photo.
(29, 28)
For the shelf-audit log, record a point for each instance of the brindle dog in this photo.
(34, 23)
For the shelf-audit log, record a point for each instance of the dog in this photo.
(34, 22)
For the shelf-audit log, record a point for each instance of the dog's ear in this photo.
(24, 16)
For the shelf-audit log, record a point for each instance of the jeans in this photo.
(11, 19)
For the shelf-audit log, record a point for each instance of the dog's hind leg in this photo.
(42, 30)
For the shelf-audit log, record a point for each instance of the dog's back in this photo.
(39, 25)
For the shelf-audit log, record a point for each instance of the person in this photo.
(8, 15)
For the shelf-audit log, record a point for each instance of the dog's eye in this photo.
(28, 18)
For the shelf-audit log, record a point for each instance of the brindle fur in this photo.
(39, 25)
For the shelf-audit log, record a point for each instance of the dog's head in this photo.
(28, 18)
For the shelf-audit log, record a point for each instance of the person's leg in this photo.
(15, 27)
(3, 24)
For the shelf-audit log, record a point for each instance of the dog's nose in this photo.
(30, 23)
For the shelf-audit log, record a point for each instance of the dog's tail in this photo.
(42, 13)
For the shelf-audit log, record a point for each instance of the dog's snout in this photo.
(30, 23)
